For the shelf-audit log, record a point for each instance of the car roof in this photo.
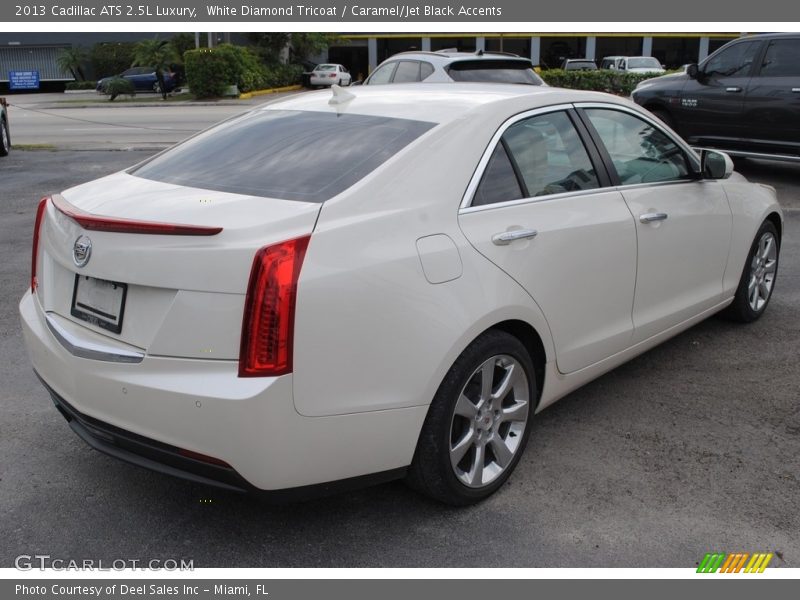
(447, 56)
(439, 102)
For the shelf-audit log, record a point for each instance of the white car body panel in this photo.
(381, 316)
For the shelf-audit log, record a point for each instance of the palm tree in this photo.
(160, 55)
(71, 59)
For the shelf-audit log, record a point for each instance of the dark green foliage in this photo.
(612, 82)
(209, 72)
(81, 85)
(119, 87)
(110, 58)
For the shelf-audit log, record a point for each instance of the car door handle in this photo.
(505, 238)
(650, 217)
(733, 89)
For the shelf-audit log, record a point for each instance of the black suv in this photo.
(743, 99)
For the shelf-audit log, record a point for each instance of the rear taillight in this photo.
(35, 250)
(268, 323)
(332, 75)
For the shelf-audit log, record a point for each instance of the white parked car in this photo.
(633, 64)
(449, 65)
(330, 74)
(382, 283)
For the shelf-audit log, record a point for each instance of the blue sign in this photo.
(23, 80)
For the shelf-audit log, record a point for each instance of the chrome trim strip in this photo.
(90, 350)
(532, 199)
(466, 201)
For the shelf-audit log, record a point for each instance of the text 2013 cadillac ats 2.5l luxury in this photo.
(352, 286)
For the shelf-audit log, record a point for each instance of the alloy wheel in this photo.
(763, 266)
(489, 420)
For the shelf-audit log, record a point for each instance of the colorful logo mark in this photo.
(714, 562)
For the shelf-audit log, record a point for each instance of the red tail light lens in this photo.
(35, 250)
(268, 324)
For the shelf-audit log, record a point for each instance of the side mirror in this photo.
(715, 165)
(692, 71)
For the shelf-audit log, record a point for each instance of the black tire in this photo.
(431, 471)
(664, 117)
(5, 137)
(741, 309)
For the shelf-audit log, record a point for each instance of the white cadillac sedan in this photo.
(349, 287)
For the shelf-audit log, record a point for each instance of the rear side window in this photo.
(407, 72)
(493, 71)
(425, 70)
(291, 155)
(538, 156)
(782, 59)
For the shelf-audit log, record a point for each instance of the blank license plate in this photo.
(99, 302)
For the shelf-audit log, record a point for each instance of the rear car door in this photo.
(537, 209)
(712, 105)
(683, 223)
(772, 103)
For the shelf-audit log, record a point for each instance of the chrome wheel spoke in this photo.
(502, 453)
(475, 474)
(509, 379)
(487, 377)
(465, 408)
(770, 266)
(461, 447)
(516, 412)
(766, 246)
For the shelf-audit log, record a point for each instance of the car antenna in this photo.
(339, 95)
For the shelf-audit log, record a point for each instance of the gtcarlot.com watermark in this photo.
(43, 562)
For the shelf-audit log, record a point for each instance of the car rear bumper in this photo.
(148, 412)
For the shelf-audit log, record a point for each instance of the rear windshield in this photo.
(291, 155)
(494, 71)
(581, 64)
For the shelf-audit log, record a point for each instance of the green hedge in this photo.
(209, 72)
(613, 82)
(110, 58)
(81, 85)
(119, 87)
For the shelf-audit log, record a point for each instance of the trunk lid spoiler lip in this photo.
(93, 222)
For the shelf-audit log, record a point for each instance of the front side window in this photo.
(291, 155)
(537, 156)
(782, 59)
(735, 61)
(641, 153)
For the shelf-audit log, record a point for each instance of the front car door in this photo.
(772, 103)
(683, 222)
(711, 106)
(536, 208)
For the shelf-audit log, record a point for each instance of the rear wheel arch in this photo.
(532, 341)
(775, 219)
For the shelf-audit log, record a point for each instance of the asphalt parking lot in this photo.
(691, 448)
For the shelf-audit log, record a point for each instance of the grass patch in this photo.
(103, 100)
(33, 147)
